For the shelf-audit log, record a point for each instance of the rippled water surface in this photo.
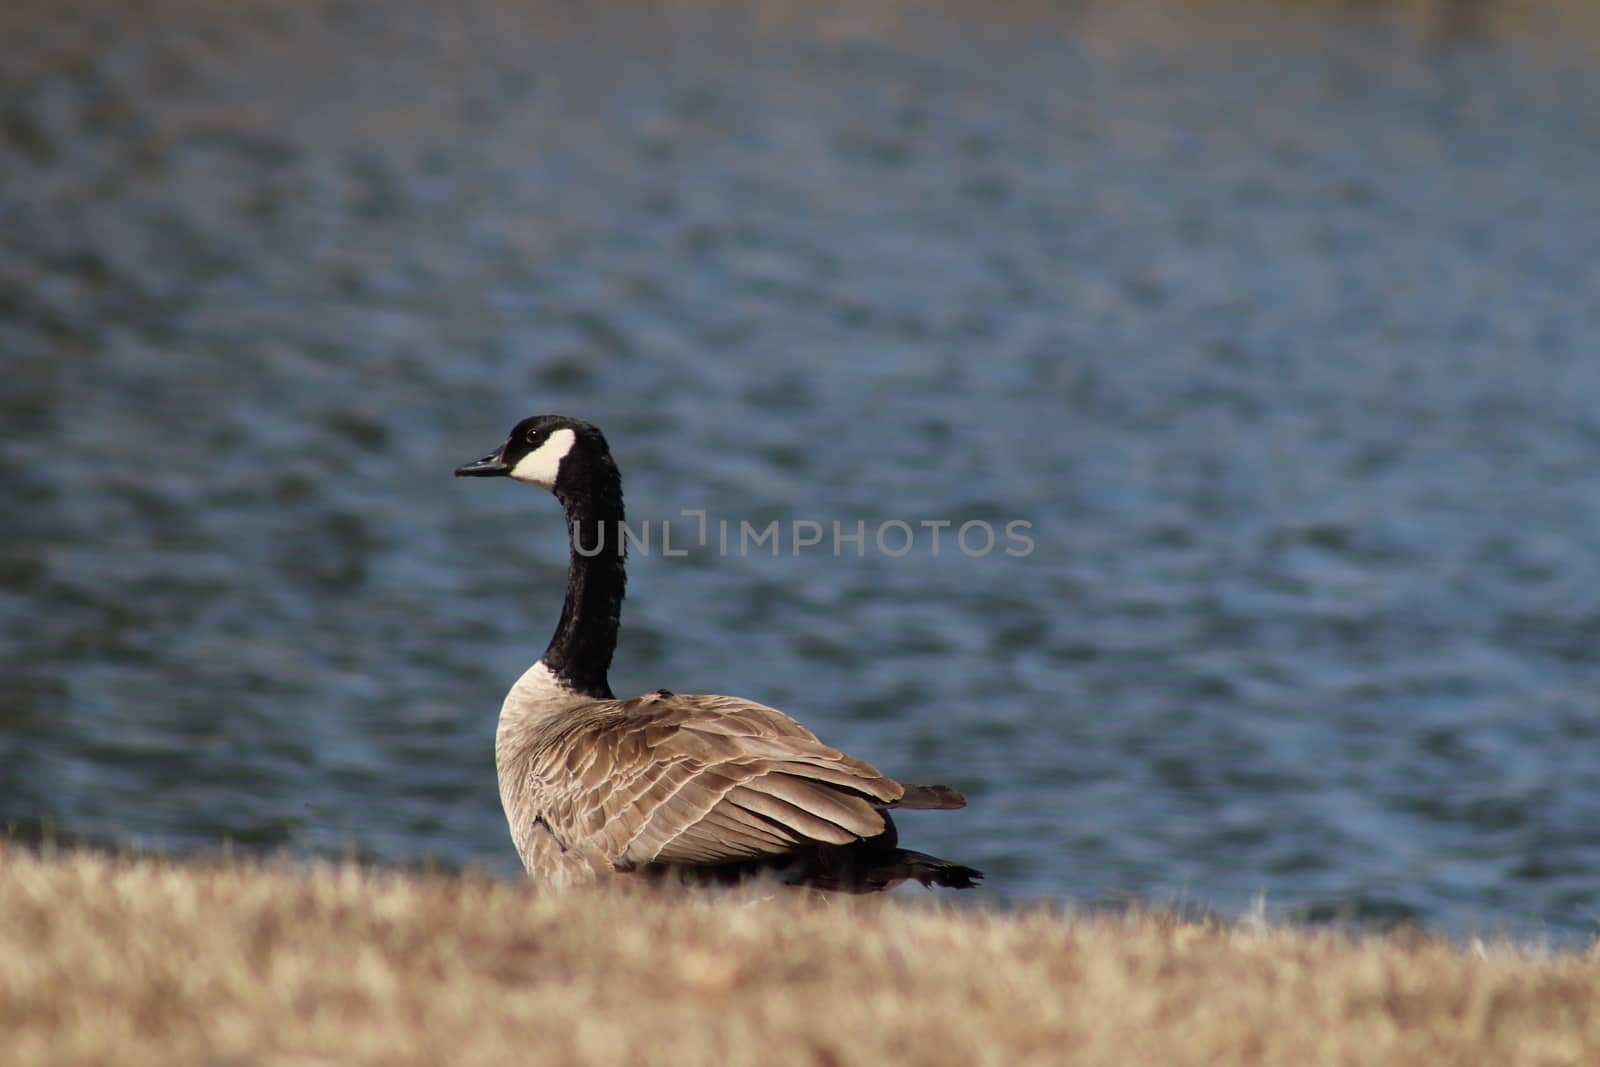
(1278, 326)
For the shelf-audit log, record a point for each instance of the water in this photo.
(1278, 327)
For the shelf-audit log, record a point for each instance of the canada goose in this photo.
(702, 788)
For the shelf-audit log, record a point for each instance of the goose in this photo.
(701, 789)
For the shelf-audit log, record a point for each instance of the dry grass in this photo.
(151, 961)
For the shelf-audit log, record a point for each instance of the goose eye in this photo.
(532, 436)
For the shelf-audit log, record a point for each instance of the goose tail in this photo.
(929, 870)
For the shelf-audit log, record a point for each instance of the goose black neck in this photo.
(579, 655)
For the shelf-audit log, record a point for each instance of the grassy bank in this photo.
(152, 961)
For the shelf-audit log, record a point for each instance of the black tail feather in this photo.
(932, 871)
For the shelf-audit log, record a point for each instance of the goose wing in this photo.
(702, 780)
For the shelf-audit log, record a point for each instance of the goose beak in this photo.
(487, 467)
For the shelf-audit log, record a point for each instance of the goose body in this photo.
(699, 788)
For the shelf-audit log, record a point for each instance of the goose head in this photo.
(553, 452)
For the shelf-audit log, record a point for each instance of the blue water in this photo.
(1278, 329)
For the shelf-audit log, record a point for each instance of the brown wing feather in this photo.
(704, 780)
(931, 797)
(796, 817)
(821, 798)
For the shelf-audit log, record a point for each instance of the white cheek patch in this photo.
(540, 466)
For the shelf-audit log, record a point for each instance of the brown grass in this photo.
(132, 960)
